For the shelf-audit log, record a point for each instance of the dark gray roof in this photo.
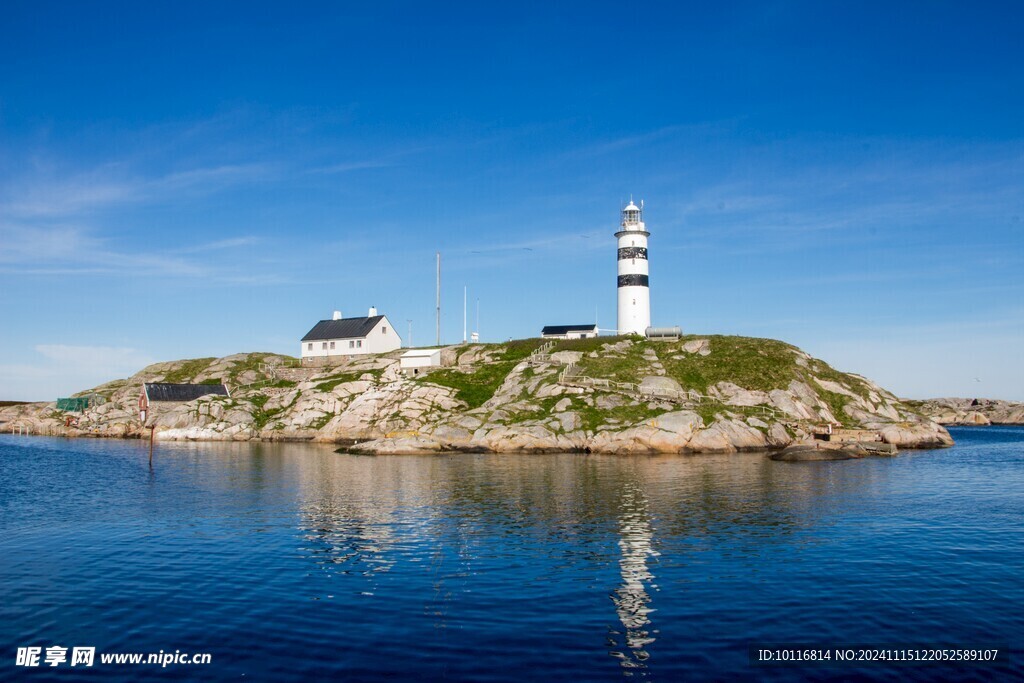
(562, 329)
(160, 391)
(346, 328)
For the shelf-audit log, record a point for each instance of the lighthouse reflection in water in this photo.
(632, 600)
(305, 564)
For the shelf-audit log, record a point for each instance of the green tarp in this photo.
(73, 404)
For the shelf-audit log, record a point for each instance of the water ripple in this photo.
(291, 562)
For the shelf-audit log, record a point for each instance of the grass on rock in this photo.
(476, 387)
(332, 381)
(186, 372)
(749, 362)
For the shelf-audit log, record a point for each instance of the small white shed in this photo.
(416, 359)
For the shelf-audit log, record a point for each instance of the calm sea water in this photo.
(292, 562)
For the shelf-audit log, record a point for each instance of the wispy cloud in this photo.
(72, 250)
(109, 186)
(850, 203)
(349, 166)
(625, 142)
(218, 245)
(113, 360)
(63, 369)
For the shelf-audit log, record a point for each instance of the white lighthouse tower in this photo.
(634, 289)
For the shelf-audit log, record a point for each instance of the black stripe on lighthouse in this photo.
(632, 252)
(633, 280)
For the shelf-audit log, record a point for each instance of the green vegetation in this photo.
(836, 403)
(587, 345)
(187, 370)
(590, 416)
(626, 415)
(105, 390)
(260, 416)
(749, 362)
(7, 404)
(630, 366)
(518, 349)
(823, 370)
(251, 363)
(334, 380)
(322, 421)
(914, 407)
(477, 387)
(544, 407)
(709, 411)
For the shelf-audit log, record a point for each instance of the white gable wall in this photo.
(572, 334)
(381, 339)
(421, 359)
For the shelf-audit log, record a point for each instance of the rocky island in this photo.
(970, 411)
(606, 394)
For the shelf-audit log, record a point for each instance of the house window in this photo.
(359, 343)
(351, 345)
(384, 329)
(323, 345)
(310, 347)
(332, 345)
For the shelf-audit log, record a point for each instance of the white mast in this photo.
(465, 293)
(438, 298)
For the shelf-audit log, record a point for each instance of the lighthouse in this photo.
(634, 289)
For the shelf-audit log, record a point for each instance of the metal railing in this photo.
(28, 430)
(541, 355)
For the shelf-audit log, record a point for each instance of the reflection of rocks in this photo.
(812, 454)
(343, 538)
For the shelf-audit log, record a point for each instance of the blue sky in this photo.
(182, 180)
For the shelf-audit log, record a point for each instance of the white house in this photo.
(569, 331)
(416, 359)
(349, 337)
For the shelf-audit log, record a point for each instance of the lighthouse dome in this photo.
(631, 214)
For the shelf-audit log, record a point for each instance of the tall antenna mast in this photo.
(478, 315)
(438, 298)
(465, 293)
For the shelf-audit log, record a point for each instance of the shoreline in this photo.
(697, 394)
(351, 446)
